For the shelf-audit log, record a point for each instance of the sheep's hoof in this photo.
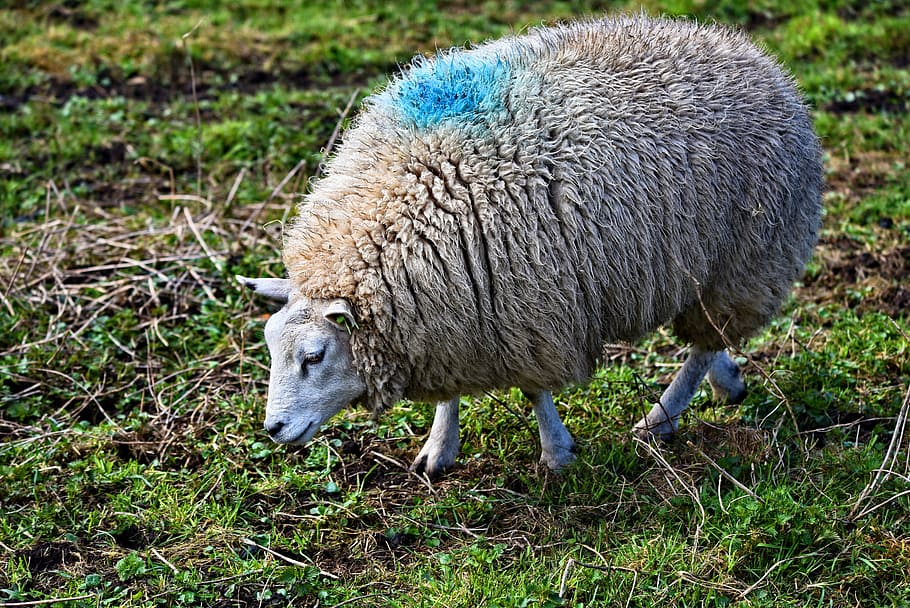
(647, 429)
(734, 397)
(433, 460)
(726, 380)
(557, 457)
(556, 461)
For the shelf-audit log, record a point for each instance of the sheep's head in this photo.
(312, 374)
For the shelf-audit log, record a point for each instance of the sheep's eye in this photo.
(312, 358)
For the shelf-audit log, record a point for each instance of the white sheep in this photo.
(496, 215)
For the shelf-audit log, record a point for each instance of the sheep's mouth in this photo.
(304, 435)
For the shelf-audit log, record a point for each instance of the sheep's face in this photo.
(312, 374)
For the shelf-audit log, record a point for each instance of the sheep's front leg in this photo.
(443, 444)
(663, 419)
(557, 445)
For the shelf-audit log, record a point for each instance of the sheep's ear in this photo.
(339, 312)
(274, 289)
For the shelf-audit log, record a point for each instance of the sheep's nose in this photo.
(274, 428)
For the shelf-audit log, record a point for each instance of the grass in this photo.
(133, 467)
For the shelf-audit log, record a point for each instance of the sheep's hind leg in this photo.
(443, 444)
(726, 380)
(557, 445)
(663, 419)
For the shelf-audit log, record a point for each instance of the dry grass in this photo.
(83, 262)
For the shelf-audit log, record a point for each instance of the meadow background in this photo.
(150, 150)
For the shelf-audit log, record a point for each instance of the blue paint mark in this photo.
(457, 85)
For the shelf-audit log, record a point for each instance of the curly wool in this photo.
(496, 215)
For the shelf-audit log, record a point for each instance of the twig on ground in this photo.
(234, 187)
(571, 563)
(357, 599)
(191, 198)
(887, 467)
(165, 561)
(878, 506)
(9, 307)
(745, 592)
(724, 473)
(689, 489)
(722, 587)
(142, 161)
(423, 478)
(287, 559)
(74, 598)
(197, 152)
(504, 403)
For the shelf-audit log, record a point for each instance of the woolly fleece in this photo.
(496, 215)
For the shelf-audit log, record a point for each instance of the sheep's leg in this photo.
(663, 419)
(443, 444)
(557, 445)
(726, 380)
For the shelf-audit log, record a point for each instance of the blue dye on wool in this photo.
(455, 86)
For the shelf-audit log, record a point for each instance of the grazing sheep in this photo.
(496, 215)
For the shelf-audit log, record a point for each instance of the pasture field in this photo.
(150, 150)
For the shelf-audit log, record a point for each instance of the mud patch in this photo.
(164, 445)
(870, 100)
(48, 556)
(177, 85)
(859, 9)
(855, 177)
(133, 537)
(73, 16)
(861, 279)
(49, 565)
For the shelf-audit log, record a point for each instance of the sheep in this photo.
(496, 215)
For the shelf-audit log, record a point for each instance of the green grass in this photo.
(133, 467)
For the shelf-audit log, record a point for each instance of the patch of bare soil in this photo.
(45, 561)
(879, 268)
(175, 83)
(855, 9)
(848, 265)
(164, 443)
(870, 100)
(857, 176)
(71, 14)
(48, 556)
